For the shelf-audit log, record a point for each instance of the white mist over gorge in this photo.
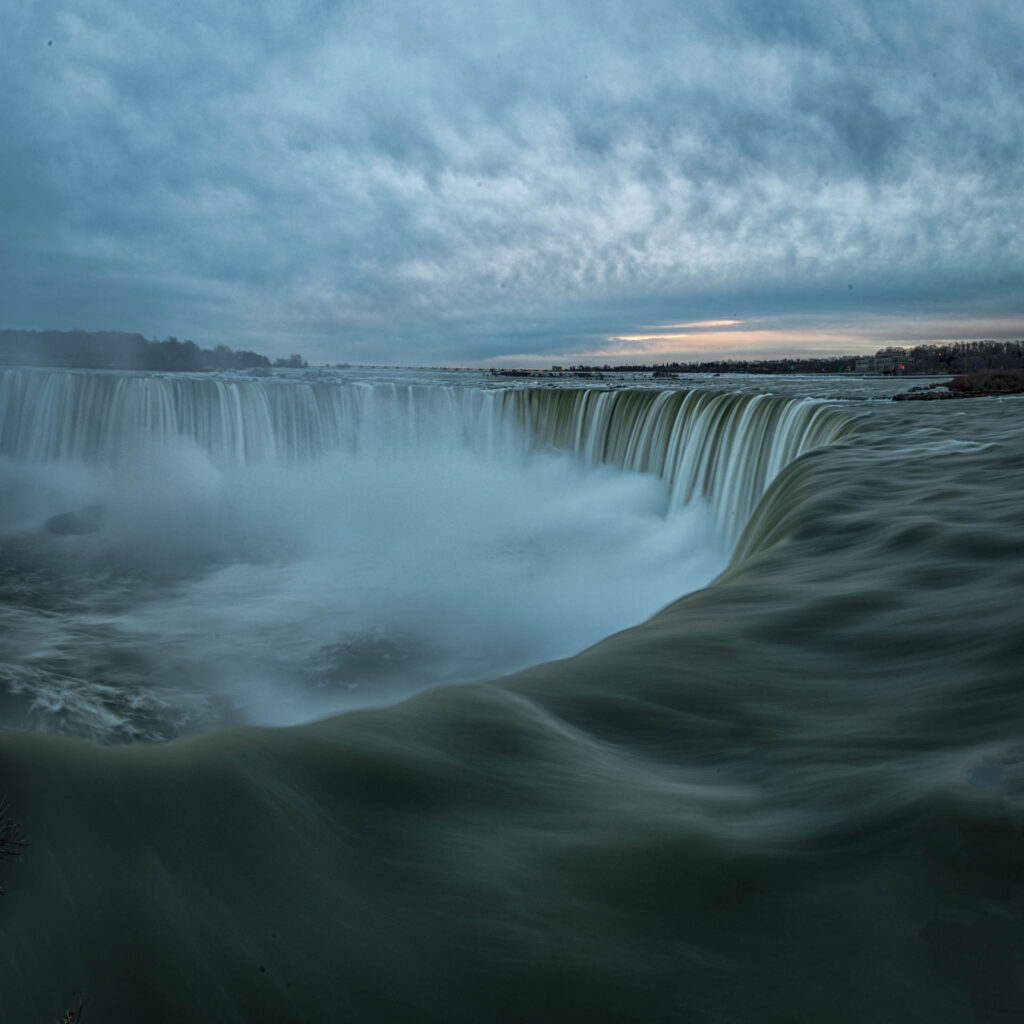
(322, 547)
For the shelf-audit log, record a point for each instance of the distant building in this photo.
(876, 364)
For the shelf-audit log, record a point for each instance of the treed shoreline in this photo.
(120, 350)
(959, 357)
(982, 367)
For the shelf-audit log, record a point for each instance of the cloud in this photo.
(777, 337)
(446, 182)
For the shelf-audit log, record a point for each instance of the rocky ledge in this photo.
(968, 385)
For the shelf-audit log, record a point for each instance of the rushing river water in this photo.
(795, 794)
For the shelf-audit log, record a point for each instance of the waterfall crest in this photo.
(725, 448)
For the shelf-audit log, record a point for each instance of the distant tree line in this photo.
(957, 357)
(840, 364)
(294, 362)
(118, 350)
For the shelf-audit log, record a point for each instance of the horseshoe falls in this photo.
(403, 696)
(270, 551)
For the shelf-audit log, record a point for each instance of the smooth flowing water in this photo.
(796, 794)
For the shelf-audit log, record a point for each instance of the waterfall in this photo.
(52, 415)
(725, 448)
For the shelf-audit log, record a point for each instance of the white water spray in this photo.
(288, 549)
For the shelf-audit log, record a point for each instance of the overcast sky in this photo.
(519, 182)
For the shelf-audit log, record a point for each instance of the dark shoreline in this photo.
(970, 385)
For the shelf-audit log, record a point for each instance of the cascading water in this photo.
(275, 550)
(724, 447)
(52, 415)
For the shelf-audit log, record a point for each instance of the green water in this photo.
(796, 795)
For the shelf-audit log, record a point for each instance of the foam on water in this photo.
(353, 582)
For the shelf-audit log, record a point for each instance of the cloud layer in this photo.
(459, 182)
